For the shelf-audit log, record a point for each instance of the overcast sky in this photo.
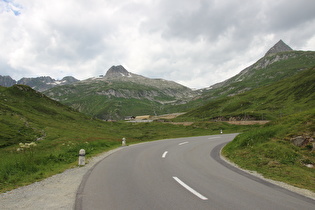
(196, 43)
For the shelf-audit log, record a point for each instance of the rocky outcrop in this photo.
(302, 141)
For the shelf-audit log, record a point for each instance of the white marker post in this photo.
(81, 157)
(221, 131)
(123, 143)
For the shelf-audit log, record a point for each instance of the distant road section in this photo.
(183, 173)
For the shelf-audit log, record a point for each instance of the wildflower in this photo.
(33, 144)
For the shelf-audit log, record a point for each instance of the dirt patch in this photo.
(249, 122)
(180, 123)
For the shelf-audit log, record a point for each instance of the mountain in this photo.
(38, 83)
(121, 93)
(288, 96)
(278, 63)
(6, 81)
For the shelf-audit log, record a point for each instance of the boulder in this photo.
(299, 141)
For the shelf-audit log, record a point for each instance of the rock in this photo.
(299, 141)
(279, 47)
(309, 165)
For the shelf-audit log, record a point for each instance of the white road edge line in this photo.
(186, 142)
(190, 189)
(216, 137)
(164, 154)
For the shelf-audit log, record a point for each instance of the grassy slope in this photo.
(262, 75)
(88, 98)
(288, 96)
(26, 115)
(272, 71)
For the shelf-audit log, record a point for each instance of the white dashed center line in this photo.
(164, 154)
(186, 142)
(190, 189)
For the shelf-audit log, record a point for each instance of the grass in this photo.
(268, 150)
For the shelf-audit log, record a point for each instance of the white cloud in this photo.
(195, 43)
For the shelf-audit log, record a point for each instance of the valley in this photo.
(277, 92)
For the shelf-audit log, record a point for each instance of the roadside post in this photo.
(123, 143)
(221, 131)
(81, 157)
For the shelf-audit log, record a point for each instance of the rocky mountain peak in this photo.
(69, 79)
(280, 46)
(6, 81)
(117, 71)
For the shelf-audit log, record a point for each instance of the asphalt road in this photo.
(184, 173)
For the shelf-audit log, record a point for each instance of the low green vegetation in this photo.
(269, 150)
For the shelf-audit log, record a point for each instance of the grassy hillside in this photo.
(269, 150)
(288, 96)
(59, 132)
(116, 99)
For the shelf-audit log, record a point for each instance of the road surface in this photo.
(183, 173)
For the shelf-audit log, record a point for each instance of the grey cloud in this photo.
(212, 20)
(195, 42)
(284, 15)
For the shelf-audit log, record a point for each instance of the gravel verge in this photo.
(56, 192)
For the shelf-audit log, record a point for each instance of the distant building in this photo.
(130, 118)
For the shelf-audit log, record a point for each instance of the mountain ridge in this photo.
(279, 61)
(122, 93)
(41, 83)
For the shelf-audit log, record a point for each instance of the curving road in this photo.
(183, 173)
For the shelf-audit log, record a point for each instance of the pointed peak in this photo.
(117, 71)
(280, 46)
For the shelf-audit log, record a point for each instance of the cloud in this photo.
(10, 6)
(195, 43)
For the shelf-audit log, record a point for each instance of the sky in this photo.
(196, 43)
